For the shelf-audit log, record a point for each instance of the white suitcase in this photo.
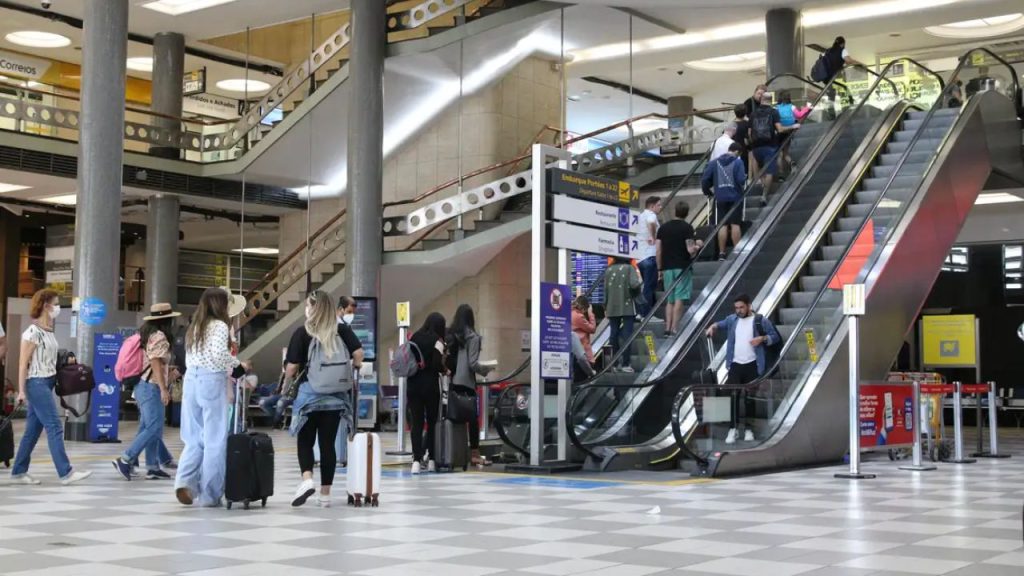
(363, 474)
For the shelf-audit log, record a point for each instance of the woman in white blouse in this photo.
(37, 376)
(204, 403)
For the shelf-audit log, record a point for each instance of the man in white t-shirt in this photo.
(749, 335)
(647, 260)
(721, 145)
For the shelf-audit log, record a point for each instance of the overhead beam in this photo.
(652, 20)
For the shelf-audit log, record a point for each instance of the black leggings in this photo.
(324, 424)
(422, 408)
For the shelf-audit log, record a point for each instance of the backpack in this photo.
(820, 72)
(329, 374)
(772, 352)
(405, 364)
(129, 360)
(787, 114)
(762, 126)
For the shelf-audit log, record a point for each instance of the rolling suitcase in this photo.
(7, 439)
(362, 477)
(250, 469)
(451, 439)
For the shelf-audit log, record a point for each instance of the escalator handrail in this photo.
(936, 106)
(500, 428)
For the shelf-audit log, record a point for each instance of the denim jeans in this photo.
(163, 454)
(649, 272)
(340, 442)
(151, 426)
(204, 430)
(275, 406)
(622, 329)
(42, 414)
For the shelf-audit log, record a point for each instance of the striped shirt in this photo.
(44, 357)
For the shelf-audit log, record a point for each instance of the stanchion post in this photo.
(917, 465)
(958, 427)
(401, 451)
(993, 425)
(853, 341)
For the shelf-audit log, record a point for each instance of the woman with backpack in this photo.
(423, 389)
(206, 395)
(37, 377)
(463, 344)
(152, 393)
(321, 354)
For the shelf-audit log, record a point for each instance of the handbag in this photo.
(75, 379)
(461, 406)
(291, 387)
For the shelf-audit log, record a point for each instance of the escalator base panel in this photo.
(544, 468)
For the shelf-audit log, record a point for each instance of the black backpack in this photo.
(762, 126)
(772, 352)
(820, 71)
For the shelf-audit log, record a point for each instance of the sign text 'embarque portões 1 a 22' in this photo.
(593, 188)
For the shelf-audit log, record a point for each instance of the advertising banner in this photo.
(948, 340)
(106, 396)
(555, 331)
(886, 415)
(365, 326)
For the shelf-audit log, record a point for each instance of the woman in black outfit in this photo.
(424, 389)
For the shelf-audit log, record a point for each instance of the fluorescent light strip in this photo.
(63, 200)
(179, 7)
(997, 198)
(262, 251)
(12, 187)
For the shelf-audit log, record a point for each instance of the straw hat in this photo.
(159, 311)
(236, 303)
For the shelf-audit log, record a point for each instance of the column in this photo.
(680, 115)
(162, 250)
(101, 151)
(364, 236)
(785, 42)
(168, 70)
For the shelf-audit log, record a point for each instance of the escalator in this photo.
(891, 232)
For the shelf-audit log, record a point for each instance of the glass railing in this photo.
(702, 413)
(628, 409)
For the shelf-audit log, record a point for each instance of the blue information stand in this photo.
(106, 397)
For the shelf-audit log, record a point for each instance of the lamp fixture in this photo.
(179, 7)
(243, 85)
(140, 63)
(38, 39)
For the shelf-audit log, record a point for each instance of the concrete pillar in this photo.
(785, 42)
(168, 69)
(101, 152)
(680, 116)
(162, 250)
(364, 238)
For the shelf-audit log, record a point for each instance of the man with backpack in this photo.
(752, 347)
(766, 133)
(723, 180)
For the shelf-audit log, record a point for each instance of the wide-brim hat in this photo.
(160, 311)
(236, 303)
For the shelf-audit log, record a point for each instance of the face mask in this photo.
(55, 312)
(348, 318)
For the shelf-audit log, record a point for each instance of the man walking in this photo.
(676, 248)
(766, 132)
(746, 356)
(647, 259)
(723, 179)
(721, 145)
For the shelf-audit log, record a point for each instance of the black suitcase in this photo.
(451, 439)
(250, 468)
(7, 440)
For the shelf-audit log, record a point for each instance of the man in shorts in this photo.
(766, 133)
(675, 250)
(723, 179)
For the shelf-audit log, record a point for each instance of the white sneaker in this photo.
(748, 436)
(431, 467)
(415, 467)
(75, 477)
(730, 438)
(323, 501)
(23, 479)
(627, 369)
(306, 489)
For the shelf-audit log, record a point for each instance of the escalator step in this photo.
(812, 283)
(850, 223)
(869, 196)
(929, 133)
(833, 252)
(899, 182)
(919, 155)
(920, 114)
(923, 144)
(841, 238)
(822, 267)
(908, 169)
(805, 299)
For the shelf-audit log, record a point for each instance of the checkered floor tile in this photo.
(960, 520)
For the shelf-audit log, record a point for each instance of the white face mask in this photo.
(348, 318)
(54, 312)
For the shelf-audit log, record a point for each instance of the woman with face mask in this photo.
(37, 376)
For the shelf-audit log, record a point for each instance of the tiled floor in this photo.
(959, 520)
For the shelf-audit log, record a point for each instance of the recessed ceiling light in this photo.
(574, 98)
(141, 63)
(261, 251)
(12, 187)
(63, 200)
(997, 198)
(37, 39)
(979, 27)
(178, 7)
(733, 62)
(243, 85)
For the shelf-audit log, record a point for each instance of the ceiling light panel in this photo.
(979, 27)
(263, 251)
(12, 187)
(141, 64)
(731, 63)
(179, 7)
(38, 39)
(63, 200)
(243, 85)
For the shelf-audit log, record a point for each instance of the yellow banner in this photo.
(949, 340)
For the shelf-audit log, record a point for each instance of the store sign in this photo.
(593, 188)
(210, 105)
(13, 64)
(949, 340)
(886, 415)
(593, 214)
(194, 82)
(555, 331)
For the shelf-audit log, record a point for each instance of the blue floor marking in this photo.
(557, 482)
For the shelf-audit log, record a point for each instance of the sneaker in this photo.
(24, 479)
(627, 369)
(730, 438)
(721, 257)
(75, 476)
(157, 475)
(748, 436)
(170, 464)
(303, 492)
(184, 495)
(415, 467)
(323, 501)
(123, 468)
(431, 467)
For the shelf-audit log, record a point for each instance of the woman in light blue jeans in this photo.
(205, 398)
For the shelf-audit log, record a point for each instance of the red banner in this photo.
(886, 415)
(974, 388)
